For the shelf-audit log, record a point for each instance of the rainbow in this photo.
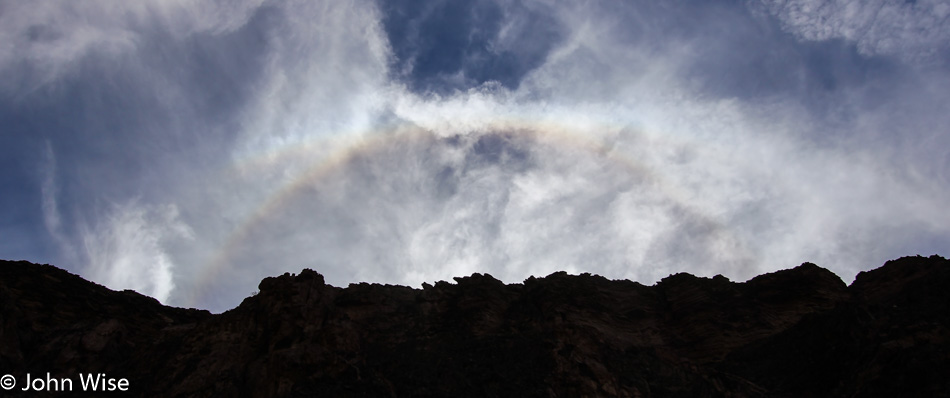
(355, 145)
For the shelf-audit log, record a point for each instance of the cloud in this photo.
(127, 248)
(190, 149)
(51, 216)
(44, 40)
(913, 29)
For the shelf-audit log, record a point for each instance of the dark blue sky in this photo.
(446, 46)
(188, 150)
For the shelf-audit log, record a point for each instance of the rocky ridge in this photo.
(797, 332)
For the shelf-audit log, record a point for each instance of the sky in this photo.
(186, 149)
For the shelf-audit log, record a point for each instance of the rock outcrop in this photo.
(799, 332)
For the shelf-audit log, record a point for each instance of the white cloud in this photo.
(126, 249)
(633, 173)
(913, 29)
(608, 158)
(42, 40)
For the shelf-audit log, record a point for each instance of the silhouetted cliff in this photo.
(797, 332)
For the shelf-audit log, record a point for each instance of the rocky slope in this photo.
(799, 332)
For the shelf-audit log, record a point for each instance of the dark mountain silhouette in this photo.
(797, 333)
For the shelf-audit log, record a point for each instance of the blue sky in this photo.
(187, 149)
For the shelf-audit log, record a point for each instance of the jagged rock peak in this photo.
(795, 332)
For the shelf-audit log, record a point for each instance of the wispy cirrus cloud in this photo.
(913, 29)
